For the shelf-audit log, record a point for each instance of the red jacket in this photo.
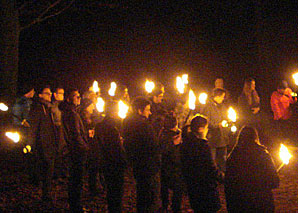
(280, 104)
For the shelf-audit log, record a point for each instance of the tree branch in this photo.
(42, 17)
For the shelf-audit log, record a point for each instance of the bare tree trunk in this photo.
(9, 49)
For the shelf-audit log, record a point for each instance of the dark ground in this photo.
(18, 195)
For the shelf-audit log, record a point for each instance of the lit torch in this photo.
(100, 104)
(112, 89)
(123, 109)
(3, 107)
(180, 85)
(232, 114)
(95, 87)
(203, 98)
(185, 78)
(233, 128)
(224, 123)
(191, 104)
(14, 136)
(149, 86)
(295, 77)
(191, 100)
(284, 155)
(27, 149)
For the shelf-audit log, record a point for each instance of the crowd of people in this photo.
(166, 149)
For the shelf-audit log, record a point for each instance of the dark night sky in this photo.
(130, 42)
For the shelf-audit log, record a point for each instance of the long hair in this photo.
(251, 94)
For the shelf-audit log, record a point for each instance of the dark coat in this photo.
(170, 156)
(21, 110)
(75, 133)
(249, 179)
(108, 138)
(142, 149)
(42, 132)
(157, 117)
(216, 113)
(200, 172)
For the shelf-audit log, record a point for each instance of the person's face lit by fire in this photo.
(59, 94)
(158, 99)
(203, 131)
(46, 94)
(146, 112)
(75, 98)
(253, 85)
(90, 108)
(219, 99)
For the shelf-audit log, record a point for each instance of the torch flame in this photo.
(100, 104)
(203, 98)
(284, 154)
(28, 147)
(3, 107)
(191, 100)
(123, 109)
(14, 136)
(224, 123)
(149, 86)
(232, 114)
(233, 128)
(112, 89)
(180, 85)
(295, 76)
(95, 87)
(185, 78)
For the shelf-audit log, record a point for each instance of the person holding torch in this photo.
(250, 175)
(215, 112)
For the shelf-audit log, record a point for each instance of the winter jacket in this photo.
(157, 117)
(280, 105)
(245, 106)
(249, 180)
(200, 172)
(141, 147)
(109, 144)
(42, 135)
(170, 155)
(216, 113)
(75, 133)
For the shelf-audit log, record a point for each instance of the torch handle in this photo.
(187, 117)
(279, 168)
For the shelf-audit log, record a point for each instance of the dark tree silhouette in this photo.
(16, 16)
